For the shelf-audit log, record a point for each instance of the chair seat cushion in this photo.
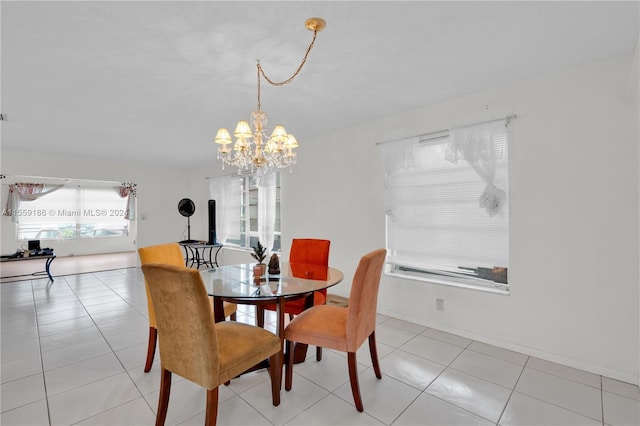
(229, 308)
(323, 325)
(296, 306)
(241, 346)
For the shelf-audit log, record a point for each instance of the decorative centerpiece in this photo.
(259, 254)
(274, 264)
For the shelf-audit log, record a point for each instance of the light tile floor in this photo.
(73, 353)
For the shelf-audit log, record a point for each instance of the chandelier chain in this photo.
(290, 79)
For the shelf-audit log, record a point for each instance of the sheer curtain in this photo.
(19, 192)
(267, 209)
(480, 145)
(226, 190)
(396, 156)
(128, 190)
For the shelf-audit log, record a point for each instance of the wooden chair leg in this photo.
(353, 378)
(275, 371)
(318, 353)
(288, 379)
(163, 400)
(233, 317)
(290, 317)
(374, 354)
(211, 413)
(151, 349)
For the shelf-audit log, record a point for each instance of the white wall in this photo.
(634, 97)
(574, 217)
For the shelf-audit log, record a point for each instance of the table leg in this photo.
(300, 349)
(218, 309)
(280, 322)
(216, 257)
(186, 256)
(218, 316)
(210, 264)
(198, 261)
(299, 352)
(47, 267)
(280, 310)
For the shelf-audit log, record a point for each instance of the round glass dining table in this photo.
(237, 284)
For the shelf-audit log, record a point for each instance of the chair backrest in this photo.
(168, 254)
(310, 251)
(186, 329)
(363, 299)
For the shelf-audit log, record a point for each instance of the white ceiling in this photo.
(153, 80)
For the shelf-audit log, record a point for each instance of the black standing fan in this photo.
(186, 207)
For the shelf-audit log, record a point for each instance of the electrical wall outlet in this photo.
(439, 304)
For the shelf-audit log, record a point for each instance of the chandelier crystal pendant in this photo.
(252, 149)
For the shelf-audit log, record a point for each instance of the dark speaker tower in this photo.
(213, 238)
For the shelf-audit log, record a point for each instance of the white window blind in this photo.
(77, 212)
(436, 228)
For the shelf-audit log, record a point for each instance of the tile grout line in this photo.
(553, 403)
(44, 377)
(513, 389)
(601, 401)
(448, 367)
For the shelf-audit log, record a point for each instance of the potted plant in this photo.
(259, 254)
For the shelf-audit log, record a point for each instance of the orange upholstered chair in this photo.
(167, 254)
(343, 328)
(308, 251)
(193, 346)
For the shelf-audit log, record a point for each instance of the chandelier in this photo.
(253, 150)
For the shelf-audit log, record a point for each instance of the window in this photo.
(249, 212)
(447, 222)
(239, 203)
(69, 213)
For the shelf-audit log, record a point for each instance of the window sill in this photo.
(490, 287)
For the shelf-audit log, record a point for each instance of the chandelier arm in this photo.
(290, 79)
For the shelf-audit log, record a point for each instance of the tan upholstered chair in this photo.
(343, 328)
(168, 254)
(193, 346)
